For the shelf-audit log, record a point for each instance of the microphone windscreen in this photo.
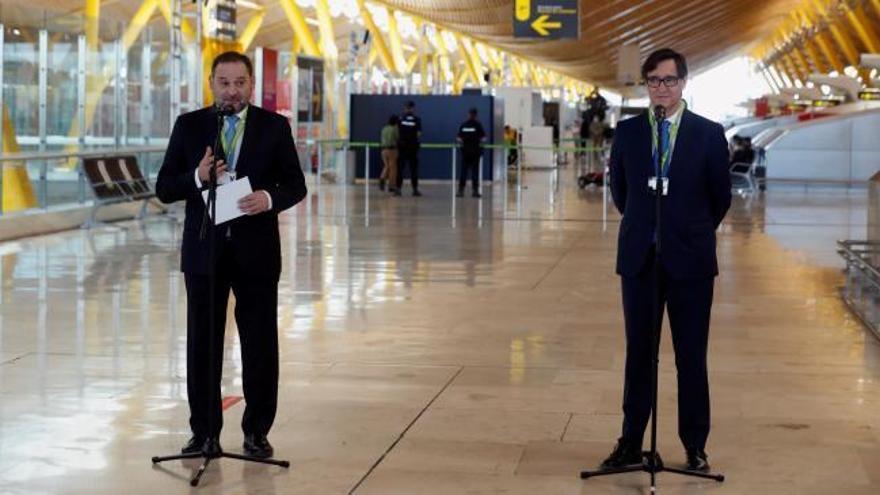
(659, 113)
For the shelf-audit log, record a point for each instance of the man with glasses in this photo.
(695, 187)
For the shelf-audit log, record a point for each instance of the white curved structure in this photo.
(843, 146)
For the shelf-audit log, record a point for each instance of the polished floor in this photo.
(437, 347)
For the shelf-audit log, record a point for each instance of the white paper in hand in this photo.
(227, 199)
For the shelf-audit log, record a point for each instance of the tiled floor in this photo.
(426, 352)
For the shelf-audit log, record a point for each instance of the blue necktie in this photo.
(664, 145)
(229, 136)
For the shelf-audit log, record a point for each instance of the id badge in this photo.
(664, 181)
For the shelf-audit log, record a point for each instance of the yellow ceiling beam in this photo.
(251, 29)
(377, 40)
(423, 59)
(864, 30)
(396, 43)
(472, 61)
(802, 62)
(186, 28)
(325, 28)
(411, 63)
(820, 64)
(840, 37)
(300, 29)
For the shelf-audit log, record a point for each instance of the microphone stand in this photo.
(211, 449)
(651, 462)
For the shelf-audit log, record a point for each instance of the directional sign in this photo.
(546, 19)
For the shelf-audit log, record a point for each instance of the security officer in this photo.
(408, 146)
(471, 135)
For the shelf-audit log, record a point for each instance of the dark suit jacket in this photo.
(698, 199)
(267, 157)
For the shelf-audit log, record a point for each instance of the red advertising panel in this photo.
(270, 80)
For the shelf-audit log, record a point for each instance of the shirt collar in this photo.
(675, 118)
(243, 113)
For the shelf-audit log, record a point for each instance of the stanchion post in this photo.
(453, 173)
(480, 176)
(320, 161)
(367, 184)
(605, 199)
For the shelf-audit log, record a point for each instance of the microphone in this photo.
(659, 113)
(225, 110)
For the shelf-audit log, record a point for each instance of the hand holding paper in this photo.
(228, 197)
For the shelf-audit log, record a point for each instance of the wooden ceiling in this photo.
(705, 31)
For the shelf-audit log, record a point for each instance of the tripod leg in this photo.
(606, 471)
(158, 459)
(200, 472)
(274, 462)
(710, 476)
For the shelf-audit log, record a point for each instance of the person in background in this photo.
(408, 146)
(389, 138)
(471, 136)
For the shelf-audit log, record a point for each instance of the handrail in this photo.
(91, 153)
(376, 144)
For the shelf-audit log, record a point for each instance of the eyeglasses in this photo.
(668, 81)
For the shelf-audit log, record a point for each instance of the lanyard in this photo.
(661, 164)
(229, 147)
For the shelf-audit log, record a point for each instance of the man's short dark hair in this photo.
(662, 54)
(409, 104)
(232, 57)
(472, 110)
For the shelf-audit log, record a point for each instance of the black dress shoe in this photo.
(624, 454)
(416, 193)
(205, 445)
(697, 460)
(459, 194)
(476, 194)
(257, 446)
(194, 445)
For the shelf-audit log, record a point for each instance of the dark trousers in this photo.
(256, 308)
(688, 304)
(470, 164)
(409, 157)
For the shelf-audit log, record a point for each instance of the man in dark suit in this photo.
(697, 185)
(256, 144)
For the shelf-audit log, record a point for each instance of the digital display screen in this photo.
(869, 95)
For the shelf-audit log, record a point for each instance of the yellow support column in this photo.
(188, 31)
(467, 54)
(336, 106)
(325, 27)
(300, 29)
(378, 41)
(250, 30)
(396, 44)
(18, 194)
(444, 54)
(423, 60)
(96, 81)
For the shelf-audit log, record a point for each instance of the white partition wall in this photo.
(843, 147)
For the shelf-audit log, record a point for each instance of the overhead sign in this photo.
(546, 19)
